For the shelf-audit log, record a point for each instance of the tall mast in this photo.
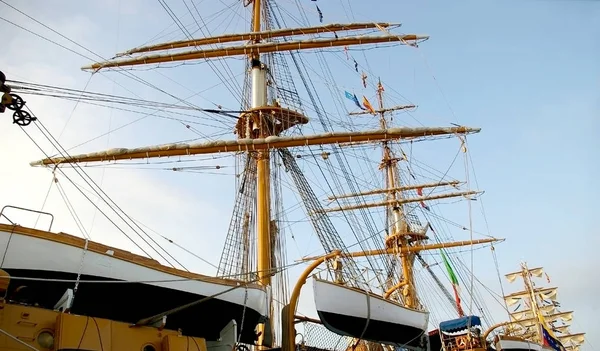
(534, 305)
(263, 183)
(259, 99)
(399, 227)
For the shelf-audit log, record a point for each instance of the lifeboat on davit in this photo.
(359, 314)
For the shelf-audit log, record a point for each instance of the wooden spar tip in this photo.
(453, 183)
(245, 145)
(397, 202)
(415, 248)
(384, 110)
(260, 48)
(256, 36)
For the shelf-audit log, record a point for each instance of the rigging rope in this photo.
(80, 270)
(44, 202)
(342, 162)
(157, 317)
(77, 169)
(243, 314)
(84, 96)
(18, 340)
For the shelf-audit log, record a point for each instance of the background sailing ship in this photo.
(536, 311)
(354, 171)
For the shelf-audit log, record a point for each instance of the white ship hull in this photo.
(516, 344)
(352, 312)
(48, 257)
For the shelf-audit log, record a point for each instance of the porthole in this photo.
(46, 339)
(149, 347)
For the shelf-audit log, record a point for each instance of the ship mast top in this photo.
(256, 19)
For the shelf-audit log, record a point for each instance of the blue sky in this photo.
(526, 72)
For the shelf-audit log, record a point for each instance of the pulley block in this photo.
(23, 118)
(16, 102)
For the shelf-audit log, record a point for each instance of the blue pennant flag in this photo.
(353, 98)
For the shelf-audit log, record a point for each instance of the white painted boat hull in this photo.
(42, 260)
(354, 313)
(519, 345)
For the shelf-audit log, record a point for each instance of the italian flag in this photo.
(454, 281)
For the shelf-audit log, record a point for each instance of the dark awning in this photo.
(460, 323)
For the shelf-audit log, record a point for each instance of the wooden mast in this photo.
(259, 99)
(263, 183)
(397, 238)
(534, 303)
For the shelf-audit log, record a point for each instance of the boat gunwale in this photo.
(124, 255)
